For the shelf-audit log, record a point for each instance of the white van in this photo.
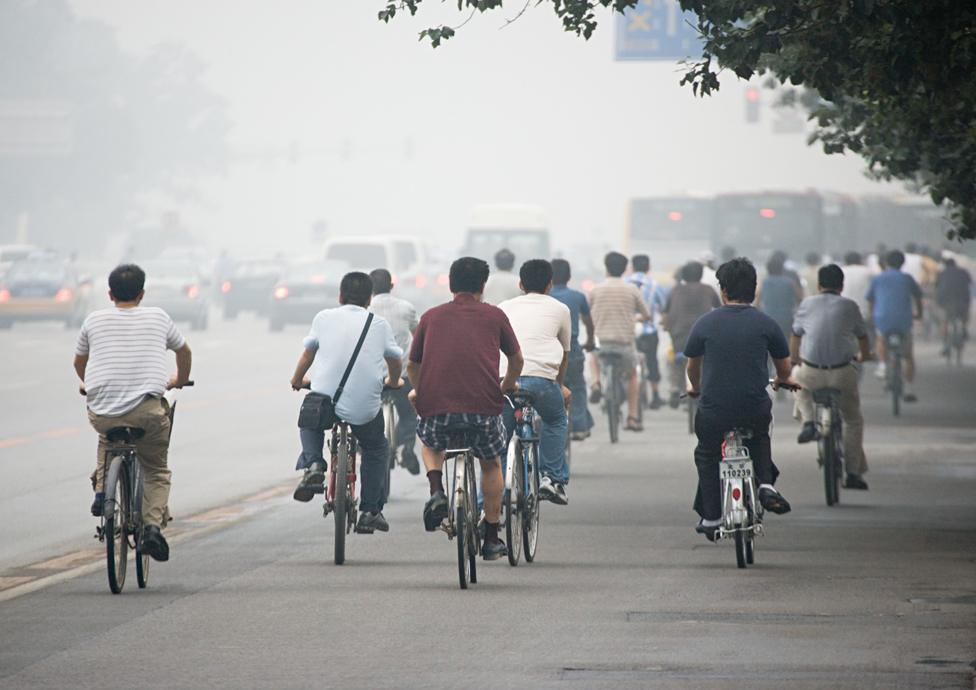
(521, 228)
(402, 255)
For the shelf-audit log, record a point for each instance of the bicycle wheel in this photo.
(142, 560)
(471, 504)
(116, 524)
(896, 385)
(613, 405)
(740, 547)
(389, 415)
(828, 454)
(341, 498)
(461, 537)
(514, 506)
(530, 501)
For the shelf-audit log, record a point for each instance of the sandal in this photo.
(595, 394)
(634, 424)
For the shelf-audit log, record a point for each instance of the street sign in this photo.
(657, 30)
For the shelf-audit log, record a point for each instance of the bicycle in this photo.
(830, 447)
(390, 420)
(461, 522)
(893, 376)
(522, 476)
(340, 498)
(955, 340)
(614, 391)
(120, 526)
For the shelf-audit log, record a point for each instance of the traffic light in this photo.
(752, 105)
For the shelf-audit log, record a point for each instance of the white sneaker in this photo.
(879, 371)
(559, 496)
(547, 490)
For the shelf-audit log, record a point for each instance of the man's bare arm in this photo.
(394, 366)
(515, 364)
(561, 374)
(795, 348)
(184, 362)
(81, 364)
(695, 373)
(587, 320)
(304, 364)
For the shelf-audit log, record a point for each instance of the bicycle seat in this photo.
(824, 396)
(460, 428)
(522, 398)
(124, 434)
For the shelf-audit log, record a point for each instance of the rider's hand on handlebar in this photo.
(567, 396)
(692, 393)
(298, 384)
(393, 385)
(412, 397)
(589, 346)
(176, 382)
(789, 384)
(81, 389)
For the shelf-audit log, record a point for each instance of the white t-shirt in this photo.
(127, 358)
(543, 328)
(913, 266)
(857, 280)
(501, 285)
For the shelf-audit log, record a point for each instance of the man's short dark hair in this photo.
(355, 288)
(813, 258)
(911, 248)
(692, 272)
(535, 274)
(615, 263)
(126, 282)
(774, 266)
(727, 253)
(561, 271)
(831, 277)
(895, 258)
(852, 258)
(468, 274)
(504, 260)
(382, 281)
(949, 261)
(640, 263)
(737, 279)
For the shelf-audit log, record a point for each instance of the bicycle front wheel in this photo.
(530, 502)
(142, 560)
(895, 385)
(613, 406)
(116, 525)
(740, 547)
(341, 499)
(514, 504)
(471, 503)
(828, 455)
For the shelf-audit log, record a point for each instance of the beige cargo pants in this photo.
(152, 415)
(844, 380)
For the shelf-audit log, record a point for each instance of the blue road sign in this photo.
(657, 30)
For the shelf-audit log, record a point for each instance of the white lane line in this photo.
(17, 385)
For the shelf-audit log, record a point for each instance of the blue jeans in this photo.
(375, 453)
(555, 425)
(579, 410)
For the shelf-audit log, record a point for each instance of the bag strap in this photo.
(355, 354)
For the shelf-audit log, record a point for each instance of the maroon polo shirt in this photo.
(457, 345)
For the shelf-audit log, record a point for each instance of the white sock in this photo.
(710, 523)
(766, 486)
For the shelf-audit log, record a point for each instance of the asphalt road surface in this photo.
(877, 592)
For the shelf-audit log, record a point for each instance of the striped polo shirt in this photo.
(127, 358)
(614, 303)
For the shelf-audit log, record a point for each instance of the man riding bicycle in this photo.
(616, 305)
(542, 326)
(953, 294)
(579, 310)
(402, 317)
(727, 353)
(822, 350)
(329, 348)
(890, 299)
(654, 298)
(686, 303)
(121, 360)
(454, 364)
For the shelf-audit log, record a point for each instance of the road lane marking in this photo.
(40, 436)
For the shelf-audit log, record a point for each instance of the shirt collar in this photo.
(464, 298)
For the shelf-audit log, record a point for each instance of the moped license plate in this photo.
(741, 469)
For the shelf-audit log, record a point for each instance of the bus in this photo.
(672, 230)
(521, 228)
(757, 224)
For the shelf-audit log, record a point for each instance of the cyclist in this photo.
(953, 295)
(579, 310)
(543, 327)
(727, 351)
(329, 347)
(454, 364)
(822, 350)
(121, 360)
(654, 298)
(890, 298)
(779, 294)
(808, 275)
(687, 302)
(503, 283)
(402, 317)
(615, 304)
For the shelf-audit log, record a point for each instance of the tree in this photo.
(139, 126)
(893, 81)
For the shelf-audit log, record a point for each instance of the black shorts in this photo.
(647, 345)
(487, 442)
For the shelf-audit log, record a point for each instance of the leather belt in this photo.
(826, 367)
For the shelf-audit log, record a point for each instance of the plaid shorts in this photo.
(486, 442)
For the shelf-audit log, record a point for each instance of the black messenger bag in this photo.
(318, 410)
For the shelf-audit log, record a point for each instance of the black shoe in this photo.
(579, 435)
(710, 531)
(633, 424)
(493, 550)
(559, 496)
(910, 398)
(773, 501)
(595, 394)
(855, 481)
(311, 484)
(98, 505)
(807, 433)
(153, 544)
(409, 460)
(370, 522)
(674, 402)
(656, 402)
(435, 510)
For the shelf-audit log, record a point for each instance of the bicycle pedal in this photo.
(99, 534)
(318, 489)
(326, 509)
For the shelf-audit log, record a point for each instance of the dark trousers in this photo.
(647, 345)
(374, 451)
(580, 415)
(710, 428)
(406, 431)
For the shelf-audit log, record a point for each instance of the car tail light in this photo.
(63, 295)
(675, 216)
(420, 281)
(4, 295)
(767, 212)
(226, 286)
(192, 291)
(443, 279)
(587, 285)
(281, 292)
(315, 280)
(736, 493)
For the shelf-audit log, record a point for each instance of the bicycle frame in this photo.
(116, 456)
(738, 492)
(341, 435)
(527, 430)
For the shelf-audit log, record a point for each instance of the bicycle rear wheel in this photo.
(828, 455)
(390, 420)
(895, 384)
(341, 498)
(740, 547)
(117, 510)
(142, 560)
(531, 503)
(514, 506)
(471, 504)
(613, 404)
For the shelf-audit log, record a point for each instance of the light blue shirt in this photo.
(654, 296)
(334, 335)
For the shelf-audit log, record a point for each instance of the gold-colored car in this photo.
(43, 290)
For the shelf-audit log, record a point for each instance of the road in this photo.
(878, 592)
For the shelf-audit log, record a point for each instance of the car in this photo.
(12, 253)
(305, 289)
(43, 289)
(249, 285)
(176, 286)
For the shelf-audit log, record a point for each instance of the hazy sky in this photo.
(391, 135)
